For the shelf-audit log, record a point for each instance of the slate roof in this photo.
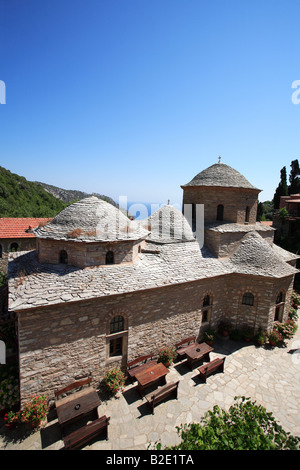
(91, 219)
(34, 285)
(15, 227)
(168, 225)
(220, 174)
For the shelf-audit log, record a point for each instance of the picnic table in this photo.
(151, 375)
(75, 406)
(195, 352)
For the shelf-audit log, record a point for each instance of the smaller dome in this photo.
(91, 219)
(222, 175)
(168, 225)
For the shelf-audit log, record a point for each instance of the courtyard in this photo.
(270, 376)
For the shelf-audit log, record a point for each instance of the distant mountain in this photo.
(22, 198)
(71, 195)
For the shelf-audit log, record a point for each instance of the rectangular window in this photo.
(115, 347)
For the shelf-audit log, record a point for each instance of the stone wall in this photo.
(61, 343)
(223, 244)
(83, 254)
(234, 200)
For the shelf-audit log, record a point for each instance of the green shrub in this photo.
(113, 380)
(246, 426)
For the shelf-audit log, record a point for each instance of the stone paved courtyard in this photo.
(269, 376)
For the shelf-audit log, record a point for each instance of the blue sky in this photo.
(135, 97)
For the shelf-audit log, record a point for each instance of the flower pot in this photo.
(9, 425)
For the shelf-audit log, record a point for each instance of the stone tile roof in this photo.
(222, 175)
(91, 219)
(233, 227)
(20, 227)
(168, 224)
(33, 285)
(255, 256)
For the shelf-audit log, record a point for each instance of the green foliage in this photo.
(265, 210)
(282, 188)
(245, 426)
(3, 279)
(113, 380)
(167, 355)
(294, 178)
(22, 198)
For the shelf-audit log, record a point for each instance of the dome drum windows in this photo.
(220, 213)
(63, 257)
(248, 299)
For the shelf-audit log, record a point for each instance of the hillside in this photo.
(70, 195)
(22, 198)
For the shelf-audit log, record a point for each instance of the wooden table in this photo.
(196, 352)
(76, 406)
(151, 375)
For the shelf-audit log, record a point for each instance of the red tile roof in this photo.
(16, 227)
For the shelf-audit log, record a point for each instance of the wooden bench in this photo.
(139, 364)
(72, 386)
(86, 433)
(161, 394)
(211, 367)
(180, 348)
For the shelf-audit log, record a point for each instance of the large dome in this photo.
(91, 219)
(168, 225)
(222, 175)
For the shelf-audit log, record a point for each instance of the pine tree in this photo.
(282, 188)
(294, 178)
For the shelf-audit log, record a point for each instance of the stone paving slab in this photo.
(269, 376)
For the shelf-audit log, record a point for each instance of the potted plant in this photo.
(11, 419)
(247, 335)
(224, 328)
(261, 338)
(274, 337)
(209, 336)
(114, 380)
(167, 355)
(34, 411)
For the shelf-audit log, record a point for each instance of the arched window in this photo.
(279, 308)
(206, 309)
(109, 258)
(14, 246)
(220, 212)
(117, 324)
(248, 299)
(63, 257)
(247, 214)
(206, 301)
(116, 343)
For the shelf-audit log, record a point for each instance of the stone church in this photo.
(100, 289)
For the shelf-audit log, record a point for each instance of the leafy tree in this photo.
(282, 188)
(246, 426)
(294, 178)
(22, 198)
